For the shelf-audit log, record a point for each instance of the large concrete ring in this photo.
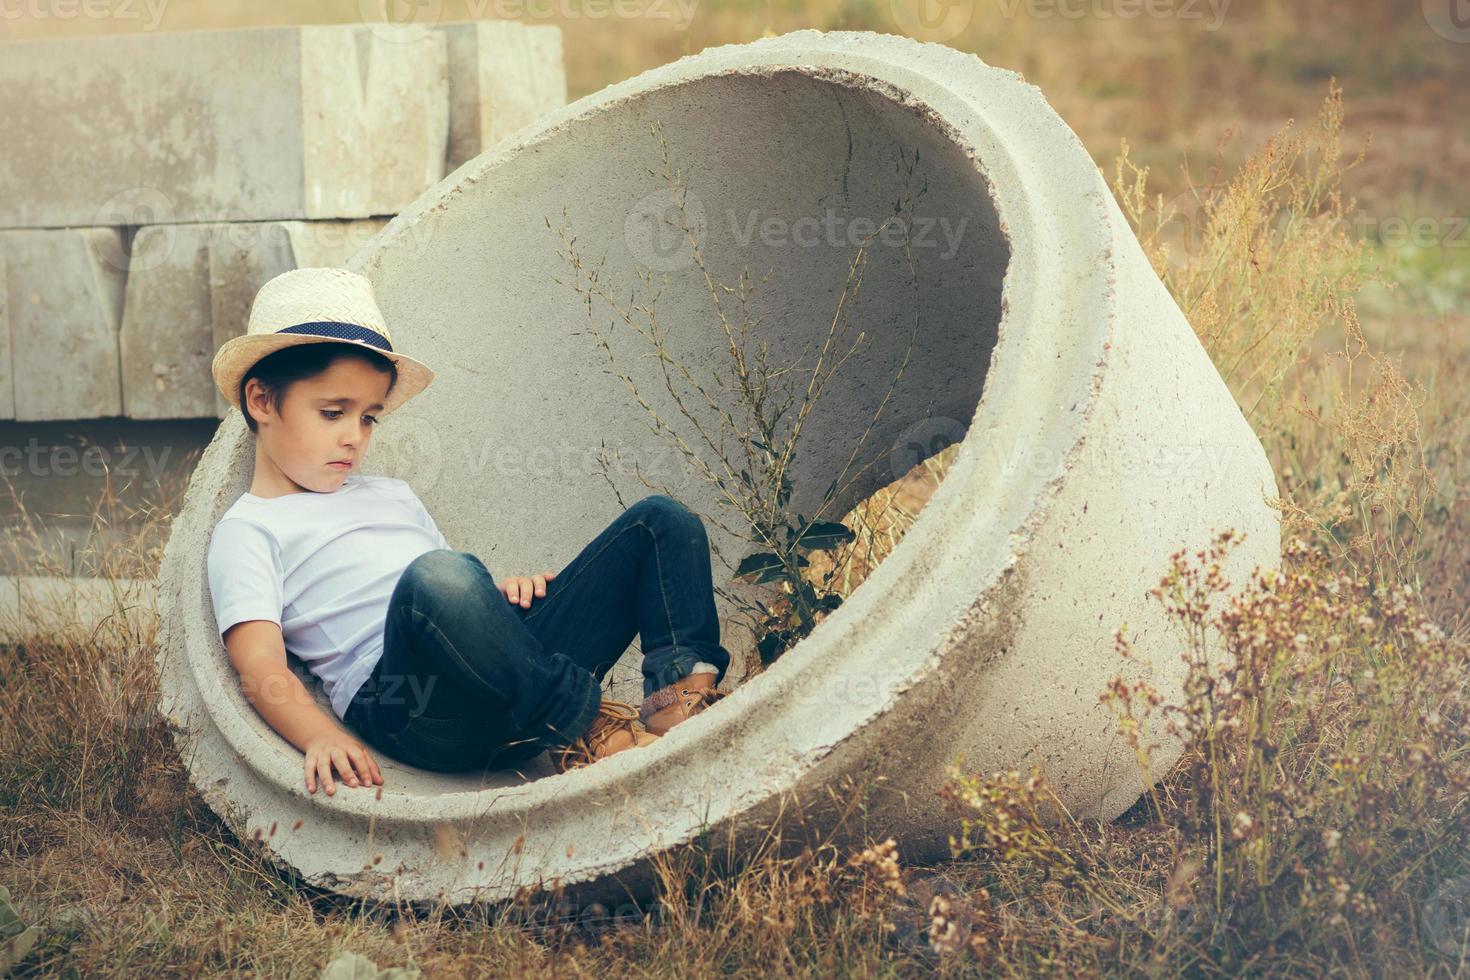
(1098, 439)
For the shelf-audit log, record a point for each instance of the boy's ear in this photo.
(257, 399)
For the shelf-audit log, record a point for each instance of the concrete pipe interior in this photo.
(503, 446)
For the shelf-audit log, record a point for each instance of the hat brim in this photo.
(236, 356)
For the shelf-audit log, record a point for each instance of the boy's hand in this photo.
(518, 588)
(351, 758)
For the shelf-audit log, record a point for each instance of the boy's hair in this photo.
(280, 369)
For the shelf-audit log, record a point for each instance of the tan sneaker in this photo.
(613, 729)
(685, 698)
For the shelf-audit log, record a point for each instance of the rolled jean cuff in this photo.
(663, 667)
(575, 717)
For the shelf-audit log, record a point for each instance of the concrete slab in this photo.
(7, 362)
(334, 121)
(73, 608)
(189, 290)
(1043, 337)
(65, 298)
(502, 75)
(12, 624)
(166, 331)
(179, 291)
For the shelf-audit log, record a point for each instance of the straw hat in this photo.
(309, 306)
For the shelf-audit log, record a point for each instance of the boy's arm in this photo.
(258, 654)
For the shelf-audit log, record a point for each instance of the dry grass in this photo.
(1317, 823)
(1317, 820)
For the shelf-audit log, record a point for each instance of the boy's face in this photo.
(322, 420)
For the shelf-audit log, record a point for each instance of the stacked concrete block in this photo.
(150, 184)
(502, 76)
(74, 608)
(190, 289)
(241, 125)
(97, 323)
(64, 304)
(7, 364)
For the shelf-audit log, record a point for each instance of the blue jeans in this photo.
(468, 679)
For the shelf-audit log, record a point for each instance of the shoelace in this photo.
(611, 717)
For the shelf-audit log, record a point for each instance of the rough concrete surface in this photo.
(109, 323)
(64, 291)
(318, 121)
(130, 141)
(189, 289)
(502, 75)
(7, 356)
(1097, 440)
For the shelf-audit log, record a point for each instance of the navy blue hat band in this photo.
(342, 331)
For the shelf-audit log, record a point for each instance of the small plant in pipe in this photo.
(748, 456)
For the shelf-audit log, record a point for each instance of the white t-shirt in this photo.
(322, 566)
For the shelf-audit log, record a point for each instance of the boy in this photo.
(420, 651)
